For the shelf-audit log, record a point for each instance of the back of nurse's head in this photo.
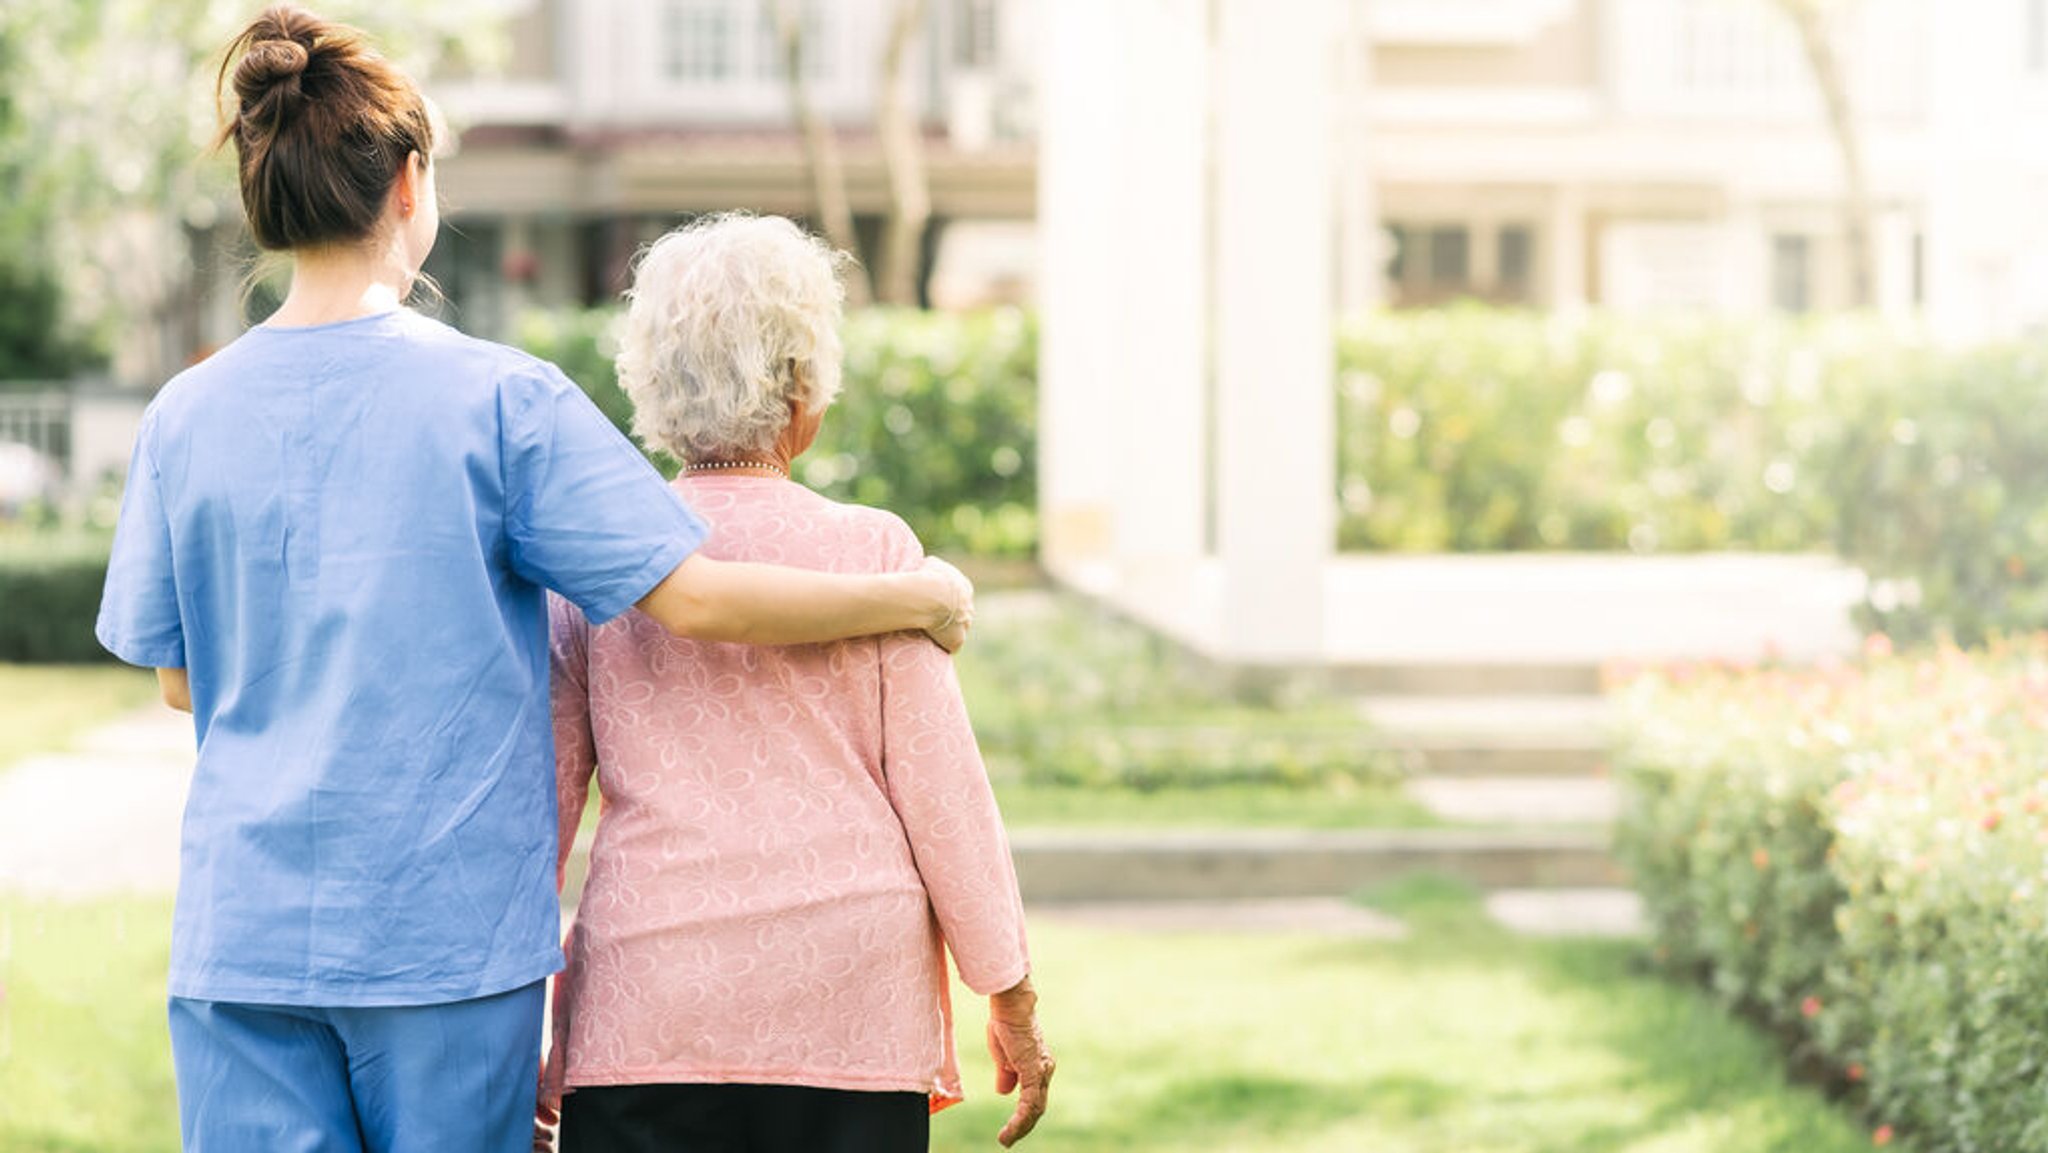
(321, 125)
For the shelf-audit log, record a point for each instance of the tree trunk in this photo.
(821, 149)
(1828, 77)
(899, 263)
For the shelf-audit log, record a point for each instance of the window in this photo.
(1791, 269)
(974, 30)
(1450, 258)
(1428, 263)
(1514, 264)
(697, 40)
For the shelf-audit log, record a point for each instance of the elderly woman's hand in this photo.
(1023, 1062)
(956, 595)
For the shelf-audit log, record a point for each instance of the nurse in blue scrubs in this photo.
(334, 547)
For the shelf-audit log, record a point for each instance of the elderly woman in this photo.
(792, 839)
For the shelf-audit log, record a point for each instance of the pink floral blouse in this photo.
(790, 840)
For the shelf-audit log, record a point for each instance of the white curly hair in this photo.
(732, 317)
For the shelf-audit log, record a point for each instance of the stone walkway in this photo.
(102, 819)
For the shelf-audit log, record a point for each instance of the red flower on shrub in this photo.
(1991, 820)
(1761, 858)
(1854, 1072)
(1883, 1136)
(1810, 1008)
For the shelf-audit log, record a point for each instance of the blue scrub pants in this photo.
(453, 1078)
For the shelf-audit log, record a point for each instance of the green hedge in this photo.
(936, 422)
(1479, 430)
(50, 599)
(1859, 856)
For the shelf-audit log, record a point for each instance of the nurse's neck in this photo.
(343, 282)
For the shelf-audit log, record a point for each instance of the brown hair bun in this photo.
(321, 125)
(267, 79)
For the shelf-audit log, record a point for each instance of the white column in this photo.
(1363, 259)
(1162, 280)
(1565, 249)
(1080, 189)
(1274, 267)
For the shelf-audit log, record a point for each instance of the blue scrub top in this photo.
(344, 533)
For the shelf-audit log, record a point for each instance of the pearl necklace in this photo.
(726, 465)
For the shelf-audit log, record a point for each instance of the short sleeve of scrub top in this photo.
(578, 504)
(139, 620)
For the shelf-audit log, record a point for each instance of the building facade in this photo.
(616, 119)
(1646, 154)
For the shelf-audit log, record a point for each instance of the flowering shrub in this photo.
(1859, 855)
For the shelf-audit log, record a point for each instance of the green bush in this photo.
(1942, 486)
(936, 421)
(1480, 430)
(1066, 693)
(1475, 430)
(50, 598)
(1860, 857)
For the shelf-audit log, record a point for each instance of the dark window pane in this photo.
(1516, 261)
(1450, 258)
(1791, 273)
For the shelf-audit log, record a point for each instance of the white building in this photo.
(617, 118)
(1653, 153)
(1219, 178)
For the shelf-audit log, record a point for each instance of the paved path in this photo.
(102, 819)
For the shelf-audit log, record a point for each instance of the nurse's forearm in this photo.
(712, 600)
(176, 688)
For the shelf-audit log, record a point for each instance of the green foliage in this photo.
(935, 422)
(1067, 694)
(106, 109)
(1943, 490)
(50, 587)
(1857, 856)
(1478, 430)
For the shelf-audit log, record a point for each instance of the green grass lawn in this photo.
(1459, 1039)
(42, 707)
(84, 1059)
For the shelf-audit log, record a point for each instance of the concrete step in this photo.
(1236, 865)
(1495, 736)
(1591, 802)
(1074, 866)
(1466, 678)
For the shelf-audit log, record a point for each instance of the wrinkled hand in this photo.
(546, 1118)
(957, 592)
(1023, 1062)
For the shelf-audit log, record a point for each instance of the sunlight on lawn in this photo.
(42, 707)
(1454, 1041)
(1460, 1039)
